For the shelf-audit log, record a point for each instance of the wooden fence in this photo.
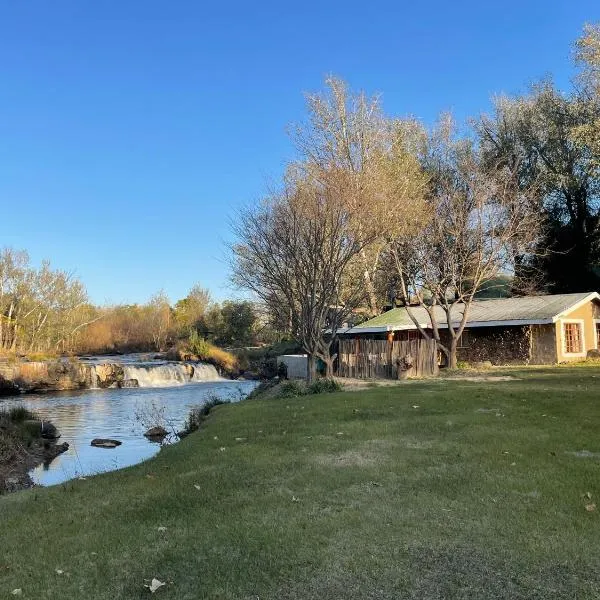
(371, 359)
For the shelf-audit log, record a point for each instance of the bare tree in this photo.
(480, 219)
(348, 133)
(293, 254)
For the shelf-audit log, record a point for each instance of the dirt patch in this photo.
(367, 455)
(352, 458)
(353, 385)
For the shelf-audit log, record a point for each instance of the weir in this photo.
(170, 374)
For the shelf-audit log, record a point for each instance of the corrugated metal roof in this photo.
(497, 311)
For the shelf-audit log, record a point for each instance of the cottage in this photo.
(527, 330)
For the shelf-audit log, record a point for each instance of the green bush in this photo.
(291, 389)
(294, 388)
(199, 414)
(18, 414)
(198, 345)
(323, 386)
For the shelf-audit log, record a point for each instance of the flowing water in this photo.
(166, 393)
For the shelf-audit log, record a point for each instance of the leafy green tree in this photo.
(190, 312)
(534, 134)
(238, 319)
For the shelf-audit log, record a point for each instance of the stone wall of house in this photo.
(499, 345)
(543, 344)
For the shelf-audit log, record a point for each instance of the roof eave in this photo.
(588, 298)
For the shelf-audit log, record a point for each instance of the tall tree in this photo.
(238, 319)
(534, 135)
(296, 248)
(190, 312)
(348, 134)
(480, 220)
(587, 134)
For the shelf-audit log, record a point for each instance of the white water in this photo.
(169, 374)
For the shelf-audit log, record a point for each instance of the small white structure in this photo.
(296, 364)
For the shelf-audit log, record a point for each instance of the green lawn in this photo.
(427, 490)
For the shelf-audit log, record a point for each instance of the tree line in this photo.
(47, 311)
(378, 210)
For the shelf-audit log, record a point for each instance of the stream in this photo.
(122, 414)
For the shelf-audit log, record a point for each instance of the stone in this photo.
(109, 375)
(156, 432)
(49, 431)
(105, 443)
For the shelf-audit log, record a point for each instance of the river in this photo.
(122, 414)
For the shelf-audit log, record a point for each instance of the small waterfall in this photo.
(204, 372)
(170, 374)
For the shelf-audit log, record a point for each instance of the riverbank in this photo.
(454, 489)
(25, 442)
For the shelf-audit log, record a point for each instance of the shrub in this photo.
(18, 414)
(199, 414)
(261, 389)
(291, 389)
(323, 386)
(206, 352)
(15, 430)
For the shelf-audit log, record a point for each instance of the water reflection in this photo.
(82, 416)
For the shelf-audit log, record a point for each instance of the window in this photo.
(573, 338)
(598, 335)
(463, 340)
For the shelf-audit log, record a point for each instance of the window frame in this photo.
(581, 323)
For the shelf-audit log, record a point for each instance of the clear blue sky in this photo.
(131, 130)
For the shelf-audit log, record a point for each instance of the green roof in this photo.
(497, 311)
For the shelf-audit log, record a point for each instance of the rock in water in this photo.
(49, 431)
(156, 432)
(105, 443)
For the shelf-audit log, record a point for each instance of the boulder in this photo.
(156, 432)
(105, 443)
(109, 375)
(49, 431)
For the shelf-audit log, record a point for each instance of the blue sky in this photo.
(130, 130)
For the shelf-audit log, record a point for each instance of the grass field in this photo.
(432, 489)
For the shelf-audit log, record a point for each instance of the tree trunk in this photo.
(311, 371)
(329, 366)
(452, 354)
